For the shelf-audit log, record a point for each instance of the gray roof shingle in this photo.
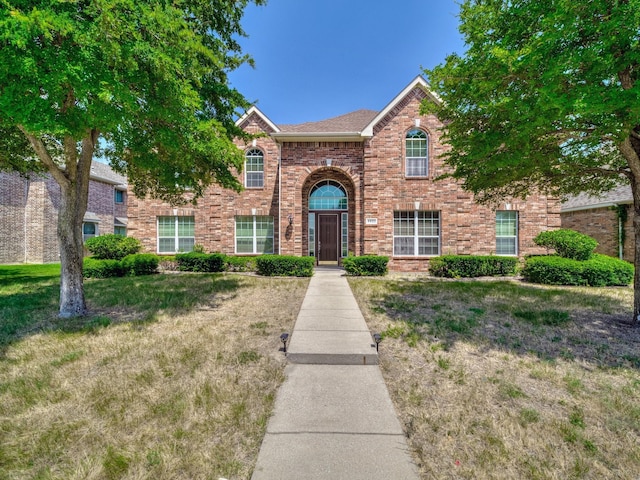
(347, 123)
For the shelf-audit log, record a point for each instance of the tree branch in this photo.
(41, 150)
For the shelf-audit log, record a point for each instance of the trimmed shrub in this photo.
(285, 266)
(469, 266)
(239, 264)
(366, 265)
(140, 264)
(599, 271)
(94, 268)
(200, 262)
(567, 243)
(112, 246)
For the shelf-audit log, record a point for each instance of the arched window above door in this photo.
(328, 195)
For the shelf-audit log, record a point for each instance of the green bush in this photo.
(94, 268)
(599, 271)
(567, 243)
(240, 264)
(469, 266)
(366, 265)
(140, 264)
(285, 266)
(112, 247)
(200, 262)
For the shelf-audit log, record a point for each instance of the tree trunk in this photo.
(72, 301)
(630, 148)
(73, 205)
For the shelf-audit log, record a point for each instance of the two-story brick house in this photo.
(29, 213)
(362, 183)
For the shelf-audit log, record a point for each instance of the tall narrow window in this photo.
(507, 232)
(312, 234)
(254, 234)
(344, 236)
(176, 234)
(254, 169)
(416, 154)
(416, 233)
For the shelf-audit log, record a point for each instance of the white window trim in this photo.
(246, 172)
(84, 236)
(176, 236)
(407, 158)
(254, 237)
(516, 237)
(416, 237)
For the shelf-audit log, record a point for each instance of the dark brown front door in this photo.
(328, 238)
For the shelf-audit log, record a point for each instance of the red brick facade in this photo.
(368, 162)
(29, 212)
(603, 225)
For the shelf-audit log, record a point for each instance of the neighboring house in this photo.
(607, 218)
(362, 183)
(29, 213)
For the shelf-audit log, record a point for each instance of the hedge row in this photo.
(201, 262)
(131, 265)
(285, 265)
(598, 271)
(456, 266)
(366, 265)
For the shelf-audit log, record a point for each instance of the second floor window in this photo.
(254, 169)
(416, 154)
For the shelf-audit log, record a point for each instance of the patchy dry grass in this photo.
(504, 380)
(172, 377)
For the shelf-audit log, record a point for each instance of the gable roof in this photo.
(353, 126)
(256, 111)
(353, 122)
(619, 195)
(417, 82)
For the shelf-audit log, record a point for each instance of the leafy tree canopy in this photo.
(150, 77)
(546, 97)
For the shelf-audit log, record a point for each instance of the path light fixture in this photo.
(377, 338)
(284, 337)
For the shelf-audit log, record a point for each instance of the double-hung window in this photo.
(254, 234)
(254, 169)
(416, 154)
(507, 232)
(416, 233)
(176, 234)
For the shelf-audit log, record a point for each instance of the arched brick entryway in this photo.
(328, 227)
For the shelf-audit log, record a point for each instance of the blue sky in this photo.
(317, 59)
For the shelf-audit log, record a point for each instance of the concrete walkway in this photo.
(333, 417)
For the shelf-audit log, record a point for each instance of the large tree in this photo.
(545, 98)
(149, 77)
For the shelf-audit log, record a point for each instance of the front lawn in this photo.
(504, 380)
(170, 377)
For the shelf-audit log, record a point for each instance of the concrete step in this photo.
(332, 347)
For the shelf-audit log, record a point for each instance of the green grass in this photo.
(168, 377)
(502, 379)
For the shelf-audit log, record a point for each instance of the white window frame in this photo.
(176, 234)
(253, 178)
(254, 237)
(514, 236)
(416, 166)
(115, 196)
(416, 216)
(86, 236)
